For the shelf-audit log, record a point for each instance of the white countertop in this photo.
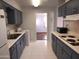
(11, 42)
(75, 48)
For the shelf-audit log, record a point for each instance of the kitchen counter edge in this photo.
(75, 48)
(10, 43)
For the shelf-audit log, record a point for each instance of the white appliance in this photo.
(3, 31)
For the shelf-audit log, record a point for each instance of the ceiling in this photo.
(44, 3)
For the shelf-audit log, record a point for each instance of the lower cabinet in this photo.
(65, 55)
(59, 52)
(13, 52)
(17, 49)
(75, 55)
(54, 43)
(62, 51)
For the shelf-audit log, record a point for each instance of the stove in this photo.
(71, 39)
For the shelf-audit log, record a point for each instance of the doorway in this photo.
(41, 26)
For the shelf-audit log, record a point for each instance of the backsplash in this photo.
(72, 25)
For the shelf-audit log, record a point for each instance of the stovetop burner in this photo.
(75, 44)
(71, 36)
(70, 40)
(63, 36)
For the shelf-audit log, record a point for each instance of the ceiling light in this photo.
(35, 3)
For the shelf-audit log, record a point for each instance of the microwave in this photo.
(62, 29)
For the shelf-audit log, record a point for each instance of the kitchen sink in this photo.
(13, 36)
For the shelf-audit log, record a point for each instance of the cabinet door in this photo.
(13, 52)
(18, 17)
(75, 55)
(18, 49)
(22, 44)
(10, 15)
(59, 11)
(54, 43)
(24, 40)
(62, 11)
(69, 10)
(59, 51)
(67, 52)
(73, 7)
(1, 4)
(66, 55)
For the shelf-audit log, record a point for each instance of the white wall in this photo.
(52, 23)
(29, 20)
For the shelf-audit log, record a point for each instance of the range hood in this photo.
(72, 17)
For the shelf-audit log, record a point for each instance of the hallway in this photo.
(38, 50)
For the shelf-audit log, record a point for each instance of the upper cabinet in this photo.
(62, 11)
(18, 17)
(13, 15)
(69, 8)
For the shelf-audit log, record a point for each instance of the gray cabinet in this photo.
(62, 51)
(62, 11)
(69, 8)
(1, 5)
(13, 52)
(54, 44)
(59, 52)
(18, 17)
(66, 55)
(17, 49)
(75, 55)
(10, 15)
(14, 16)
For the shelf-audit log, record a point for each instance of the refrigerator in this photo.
(3, 30)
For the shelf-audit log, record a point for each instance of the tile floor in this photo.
(38, 50)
